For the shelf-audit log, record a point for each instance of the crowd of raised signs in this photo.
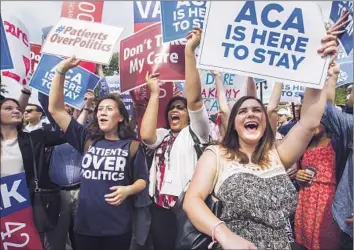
(252, 176)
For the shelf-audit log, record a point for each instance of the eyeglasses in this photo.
(30, 110)
(179, 107)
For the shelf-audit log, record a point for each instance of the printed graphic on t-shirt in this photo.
(17, 227)
(166, 201)
(107, 163)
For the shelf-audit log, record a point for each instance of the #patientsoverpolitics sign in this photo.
(179, 17)
(268, 40)
(77, 80)
(89, 41)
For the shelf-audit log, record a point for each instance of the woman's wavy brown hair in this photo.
(19, 126)
(125, 128)
(231, 139)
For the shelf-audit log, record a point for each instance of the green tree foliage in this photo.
(113, 67)
(341, 95)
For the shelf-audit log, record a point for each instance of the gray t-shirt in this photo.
(11, 158)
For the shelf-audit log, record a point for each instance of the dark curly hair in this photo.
(125, 128)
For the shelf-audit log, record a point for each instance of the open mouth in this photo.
(103, 120)
(251, 126)
(175, 119)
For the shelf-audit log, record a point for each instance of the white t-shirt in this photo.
(183, 156)
(11, 158)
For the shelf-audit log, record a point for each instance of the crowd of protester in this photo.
(283, 173)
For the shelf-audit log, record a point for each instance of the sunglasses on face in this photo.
(29, 111)
(178, 107)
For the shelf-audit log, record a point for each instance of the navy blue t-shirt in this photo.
(104, 165)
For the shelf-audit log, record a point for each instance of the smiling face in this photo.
(178, 116)
(108, 116)
(250, 122)
(10, 113)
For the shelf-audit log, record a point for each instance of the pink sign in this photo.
(144, 51)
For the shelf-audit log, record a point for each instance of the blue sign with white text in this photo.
(14, 194)
(346, 39)
(77, 80)
(179, 17)
(346, 71)
(146, 11)
(5, 55)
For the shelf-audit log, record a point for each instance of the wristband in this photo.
(59, 72)
(213, 234)
(25, 92)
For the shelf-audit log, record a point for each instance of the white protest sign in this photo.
(234, 85)
(89, 41)
(269, 40)
(19, 46)
(291, 93)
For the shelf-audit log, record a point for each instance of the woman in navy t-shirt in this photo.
(104, 216)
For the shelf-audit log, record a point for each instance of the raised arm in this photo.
(251, 89)
(192, 85)
(149, 122)
(24, 97)
(56, 94)
(197, 211)
(333, 73)
(273, 105)
(89, 97)
(295, 143)
(224, 109)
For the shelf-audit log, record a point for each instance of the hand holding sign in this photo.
(193, 39)
(341, 22)
(153, 83)
(329, 47)
(67, 64)
(334, 69)
(89, 97)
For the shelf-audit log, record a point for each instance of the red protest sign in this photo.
(143, 93)
(144, 51)
(35, 55)
(86, 11)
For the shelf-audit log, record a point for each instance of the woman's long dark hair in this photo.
(231, 139)
(125, 128)
(19, 126)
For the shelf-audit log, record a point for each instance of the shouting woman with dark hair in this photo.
(110, 174)
(247, 172)
(175, 157)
